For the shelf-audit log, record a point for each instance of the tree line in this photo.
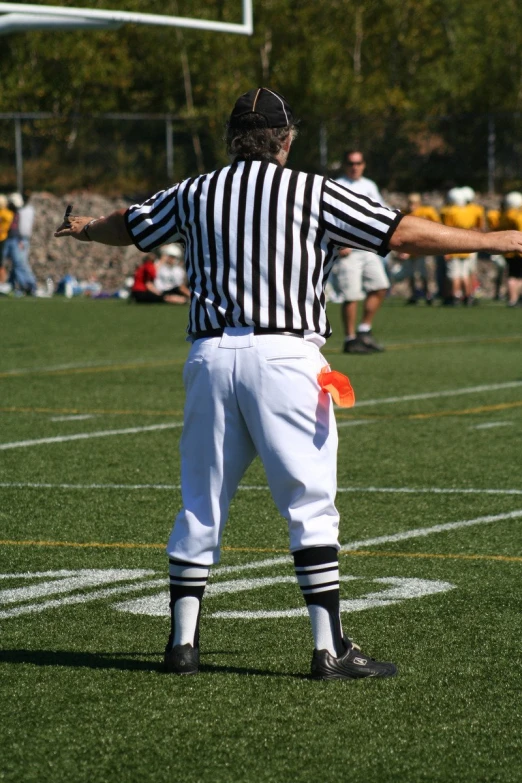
(429, 90)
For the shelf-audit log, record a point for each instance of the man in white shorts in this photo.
(359, 275)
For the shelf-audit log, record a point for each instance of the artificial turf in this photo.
(82, 693)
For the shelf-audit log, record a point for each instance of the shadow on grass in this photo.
(119, 660)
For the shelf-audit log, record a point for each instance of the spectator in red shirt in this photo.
(144, 289)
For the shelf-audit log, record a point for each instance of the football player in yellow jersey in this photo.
(459, 266)
(493, 220)
(478, 211)
(511, 217)
(413, 265)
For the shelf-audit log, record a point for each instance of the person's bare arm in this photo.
(152, 288)
(109, 230)
(419, 237)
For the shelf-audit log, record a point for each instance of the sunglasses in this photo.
(355, 162)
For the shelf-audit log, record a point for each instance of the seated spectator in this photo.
(6, 218)
(171, 276)
(144, 288)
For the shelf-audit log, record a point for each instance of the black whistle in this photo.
(67, 214)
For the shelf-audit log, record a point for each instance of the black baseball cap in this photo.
(266, 103)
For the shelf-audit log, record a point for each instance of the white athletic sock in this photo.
(322, 628)
(364, 328)
(187, 585)
(317, 571)
(186, 611)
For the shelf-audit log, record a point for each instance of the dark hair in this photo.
(354, 151)
(249, 137)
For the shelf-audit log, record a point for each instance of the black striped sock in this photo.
(187, 581)
(317, 571)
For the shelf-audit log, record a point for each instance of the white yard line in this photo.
(356, 422)
(450, 340)
(87, 435)
(75, 366)
(444, 393)
(427, 531)
(406, 534)
(265, 488)
(76, 417)
(433, 490)
(81, 598)
(492, 425)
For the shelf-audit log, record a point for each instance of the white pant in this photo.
(358, 274)
(458, 268)
(410, 267)
(248, 395)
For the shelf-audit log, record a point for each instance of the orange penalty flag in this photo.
(338, 386)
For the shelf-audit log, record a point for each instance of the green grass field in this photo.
(432, 451)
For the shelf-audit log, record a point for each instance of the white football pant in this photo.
(248, 395)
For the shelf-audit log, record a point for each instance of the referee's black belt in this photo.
(257, 331)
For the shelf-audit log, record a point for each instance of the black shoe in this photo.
(412, 300)
(351, 665)
(367, 340)
(182, 659)
(355, 346)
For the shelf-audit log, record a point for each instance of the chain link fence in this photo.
(141, 153)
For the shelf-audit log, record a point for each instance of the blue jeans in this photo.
(21, 273)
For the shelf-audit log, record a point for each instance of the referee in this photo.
(260, 242)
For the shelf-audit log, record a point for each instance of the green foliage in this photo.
(375, 73)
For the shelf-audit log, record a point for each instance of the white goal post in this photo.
(17, 17)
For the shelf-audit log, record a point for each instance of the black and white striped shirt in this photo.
(260, 242)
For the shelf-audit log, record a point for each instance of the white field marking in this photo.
(406, 397)
(406, 534)
(72, 580)
(432, 490)
(83, 598)
(446, 393)
(158, 605)
(82, 366)
(266, 488)
(491, 424)
(38, 574)
(356, 422)
(427, 531)
(87, 435)
(450, 340)
(77, 417)
(402, 589)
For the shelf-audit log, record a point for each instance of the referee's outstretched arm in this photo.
(109, 230)
(424, 237)
(412, 235)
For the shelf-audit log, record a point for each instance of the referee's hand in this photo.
(74, 227)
